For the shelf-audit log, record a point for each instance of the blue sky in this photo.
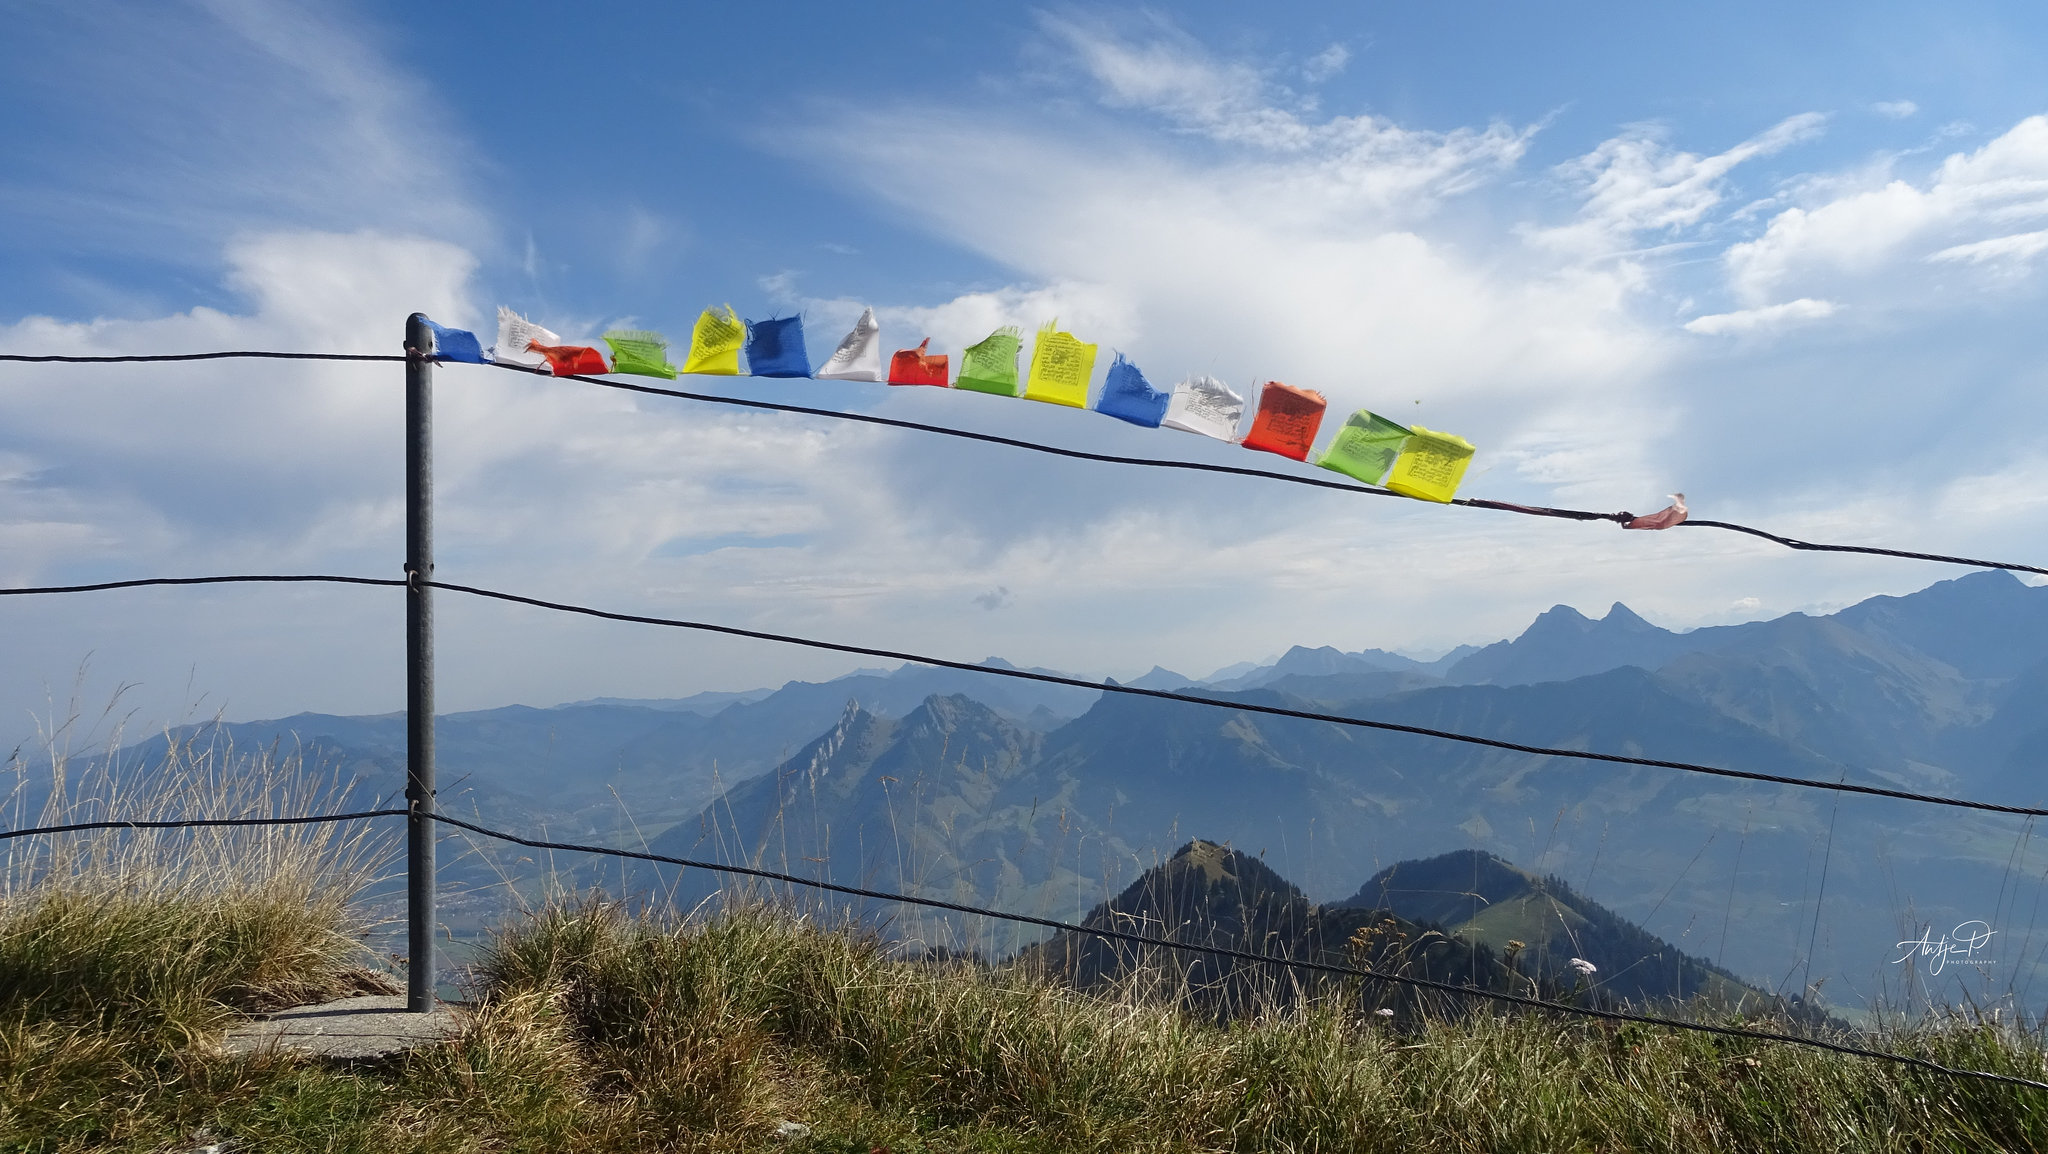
(1790, 262)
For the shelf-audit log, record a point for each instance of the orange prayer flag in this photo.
(1287, 421)
(914, 367)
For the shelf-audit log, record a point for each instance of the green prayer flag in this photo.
(1365, 447)
(991, 366)
(644, 353)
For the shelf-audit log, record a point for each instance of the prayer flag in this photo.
(1128, 396)
(566, 359)
(456, 344)
(775, 348)
(1060, 367)
(715, 344)
(1365, 447)
(516, 337)
(859, 356)
(1430, 466)
(990, 366)
(642, 353)
(1204, 405)
(1663, 518)
(1287, 421)
(913, 367)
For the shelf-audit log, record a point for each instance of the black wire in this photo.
(1077, 454)
(197, 822)
(1247, 955)
(239, 579)
(1242, 471)
(1078, 683)
(240, 354)
(1245, 706)
(1055, 924)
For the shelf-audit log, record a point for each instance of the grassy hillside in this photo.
(123, 957)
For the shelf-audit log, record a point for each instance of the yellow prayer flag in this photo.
(1431, 465)
(716, 342)
(1060, 368)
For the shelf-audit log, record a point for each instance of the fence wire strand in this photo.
(1054, 450)
(1101, 932)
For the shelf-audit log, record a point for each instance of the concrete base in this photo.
(372, 1026)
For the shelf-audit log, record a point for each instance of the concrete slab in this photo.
(371, 1026)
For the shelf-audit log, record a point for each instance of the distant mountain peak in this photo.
(1622, 615)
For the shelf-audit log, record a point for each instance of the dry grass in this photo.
(176, 929)
(121, 956)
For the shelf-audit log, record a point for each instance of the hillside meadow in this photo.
(592, 1027)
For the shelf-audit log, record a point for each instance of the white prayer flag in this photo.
(515, 333)
(859, 356)
(1204, 405)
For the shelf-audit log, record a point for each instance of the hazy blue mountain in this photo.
(1986, 625)
(1162, 678)
(703, 703)
(1563, 643)
(976, 808)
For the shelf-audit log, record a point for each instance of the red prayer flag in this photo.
(913, 367)
(567, 359)
(1287, 421)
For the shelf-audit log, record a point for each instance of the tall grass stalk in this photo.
(171, 930)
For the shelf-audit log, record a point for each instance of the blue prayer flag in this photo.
(456, 344)
(1128, 396)
(775, 348)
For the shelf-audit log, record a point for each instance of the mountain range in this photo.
(1052, 800)
(1465, 918)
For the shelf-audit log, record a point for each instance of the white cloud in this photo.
(2018, 247)
(1635, 183)
(1323, 65)
(202, 121)
(1895, 109)
(1855, 233)
(1768, 317)
(1357, 158)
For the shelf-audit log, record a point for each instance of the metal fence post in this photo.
(419, 663)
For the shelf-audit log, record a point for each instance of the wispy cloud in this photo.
(1636, 183)
(1768, 317)
(2019, 247)
(1971, 198)
(1895, 109)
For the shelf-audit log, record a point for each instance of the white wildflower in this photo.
(1584, 967)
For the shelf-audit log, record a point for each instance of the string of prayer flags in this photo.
(1365, 447)
(1060, 367)
(990, 365)
(516, 338)
(1204, 405)
(913, 367)
(775, 348)
(859, 356)
(1430, 466)
(567, 360)
(715, 343)
(456, 344)
(1287, 421)
(1662, 519)
(1128, 396)
(641, 353)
